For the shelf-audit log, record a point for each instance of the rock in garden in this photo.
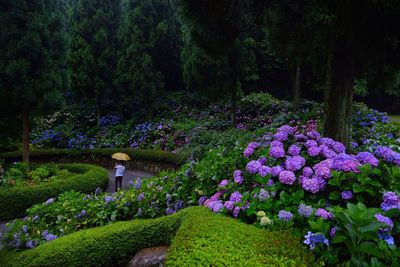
(149, 257)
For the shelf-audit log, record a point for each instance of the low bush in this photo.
(202, 238)
(15, 200)
(150, 155)
(207, 240)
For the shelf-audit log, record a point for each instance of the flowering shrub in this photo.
(297, 178)
(17, 175)
(371, 129)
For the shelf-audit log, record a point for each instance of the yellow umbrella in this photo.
(120, 156)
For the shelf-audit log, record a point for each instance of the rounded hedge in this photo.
(15, 200)
(142, 154)
(197, 236)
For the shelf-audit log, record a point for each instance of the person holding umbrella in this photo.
(120, 168)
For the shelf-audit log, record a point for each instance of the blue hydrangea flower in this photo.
(312, 239)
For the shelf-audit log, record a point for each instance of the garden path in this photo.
(129, 174)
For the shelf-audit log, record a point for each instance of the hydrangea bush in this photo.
(296, 177)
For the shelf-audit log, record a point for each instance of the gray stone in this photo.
(149, 257)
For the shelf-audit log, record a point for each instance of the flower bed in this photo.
(198, 240)
(295, 177)
(84, 178)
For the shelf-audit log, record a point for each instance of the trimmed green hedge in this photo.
(15, 200)
(207, 239)
(111, 245)
(150, 155)
(201, 239)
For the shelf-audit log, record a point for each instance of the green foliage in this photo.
(205, 239)
(33, 53)
(15, 200)
(113, 244)
(148, 58)
(357, 237)
(91, 58)
(198, 239)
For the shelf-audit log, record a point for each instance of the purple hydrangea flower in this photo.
(294, 150)
(313, 185)
(294, 163)
(311, 143)
(216, 196)
(202, 200)
(346, 195)
(45, 233)
(281, 136)
(229, 205)
(300, 137)
(49, 201)
(284, 215)
(323, 172)
(263, 195)
(31, 244)
(287, 177)
(367, 158)
(250, 149)
(235, 197)
(276, 143)
(307, 172)
(50, 237)
(312, 239)
(314, 135)
(24, 229)
(169, 211)
(140, 197)
(390, 201)
(262, 161)
(304, 210)
(108, 199)
(326, 152)
(313, 151)
(236, 211)
(326, 215)
(332, 232)
(253, 166)
(385, 220)
(216, 206)
(326, 141)
(276, 170)
(386, 237)
(264, 171)
(287, 129)
(237, 177)
(223, 183)
(338, 147)
(179, 204)
(98, 191)
(270, 182)
(277, 152)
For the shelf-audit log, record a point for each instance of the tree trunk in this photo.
(339, 96)
(297, 88)
(25, 138)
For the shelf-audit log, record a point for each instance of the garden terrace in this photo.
(196, 235)
(85, 178)
(146, 160)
